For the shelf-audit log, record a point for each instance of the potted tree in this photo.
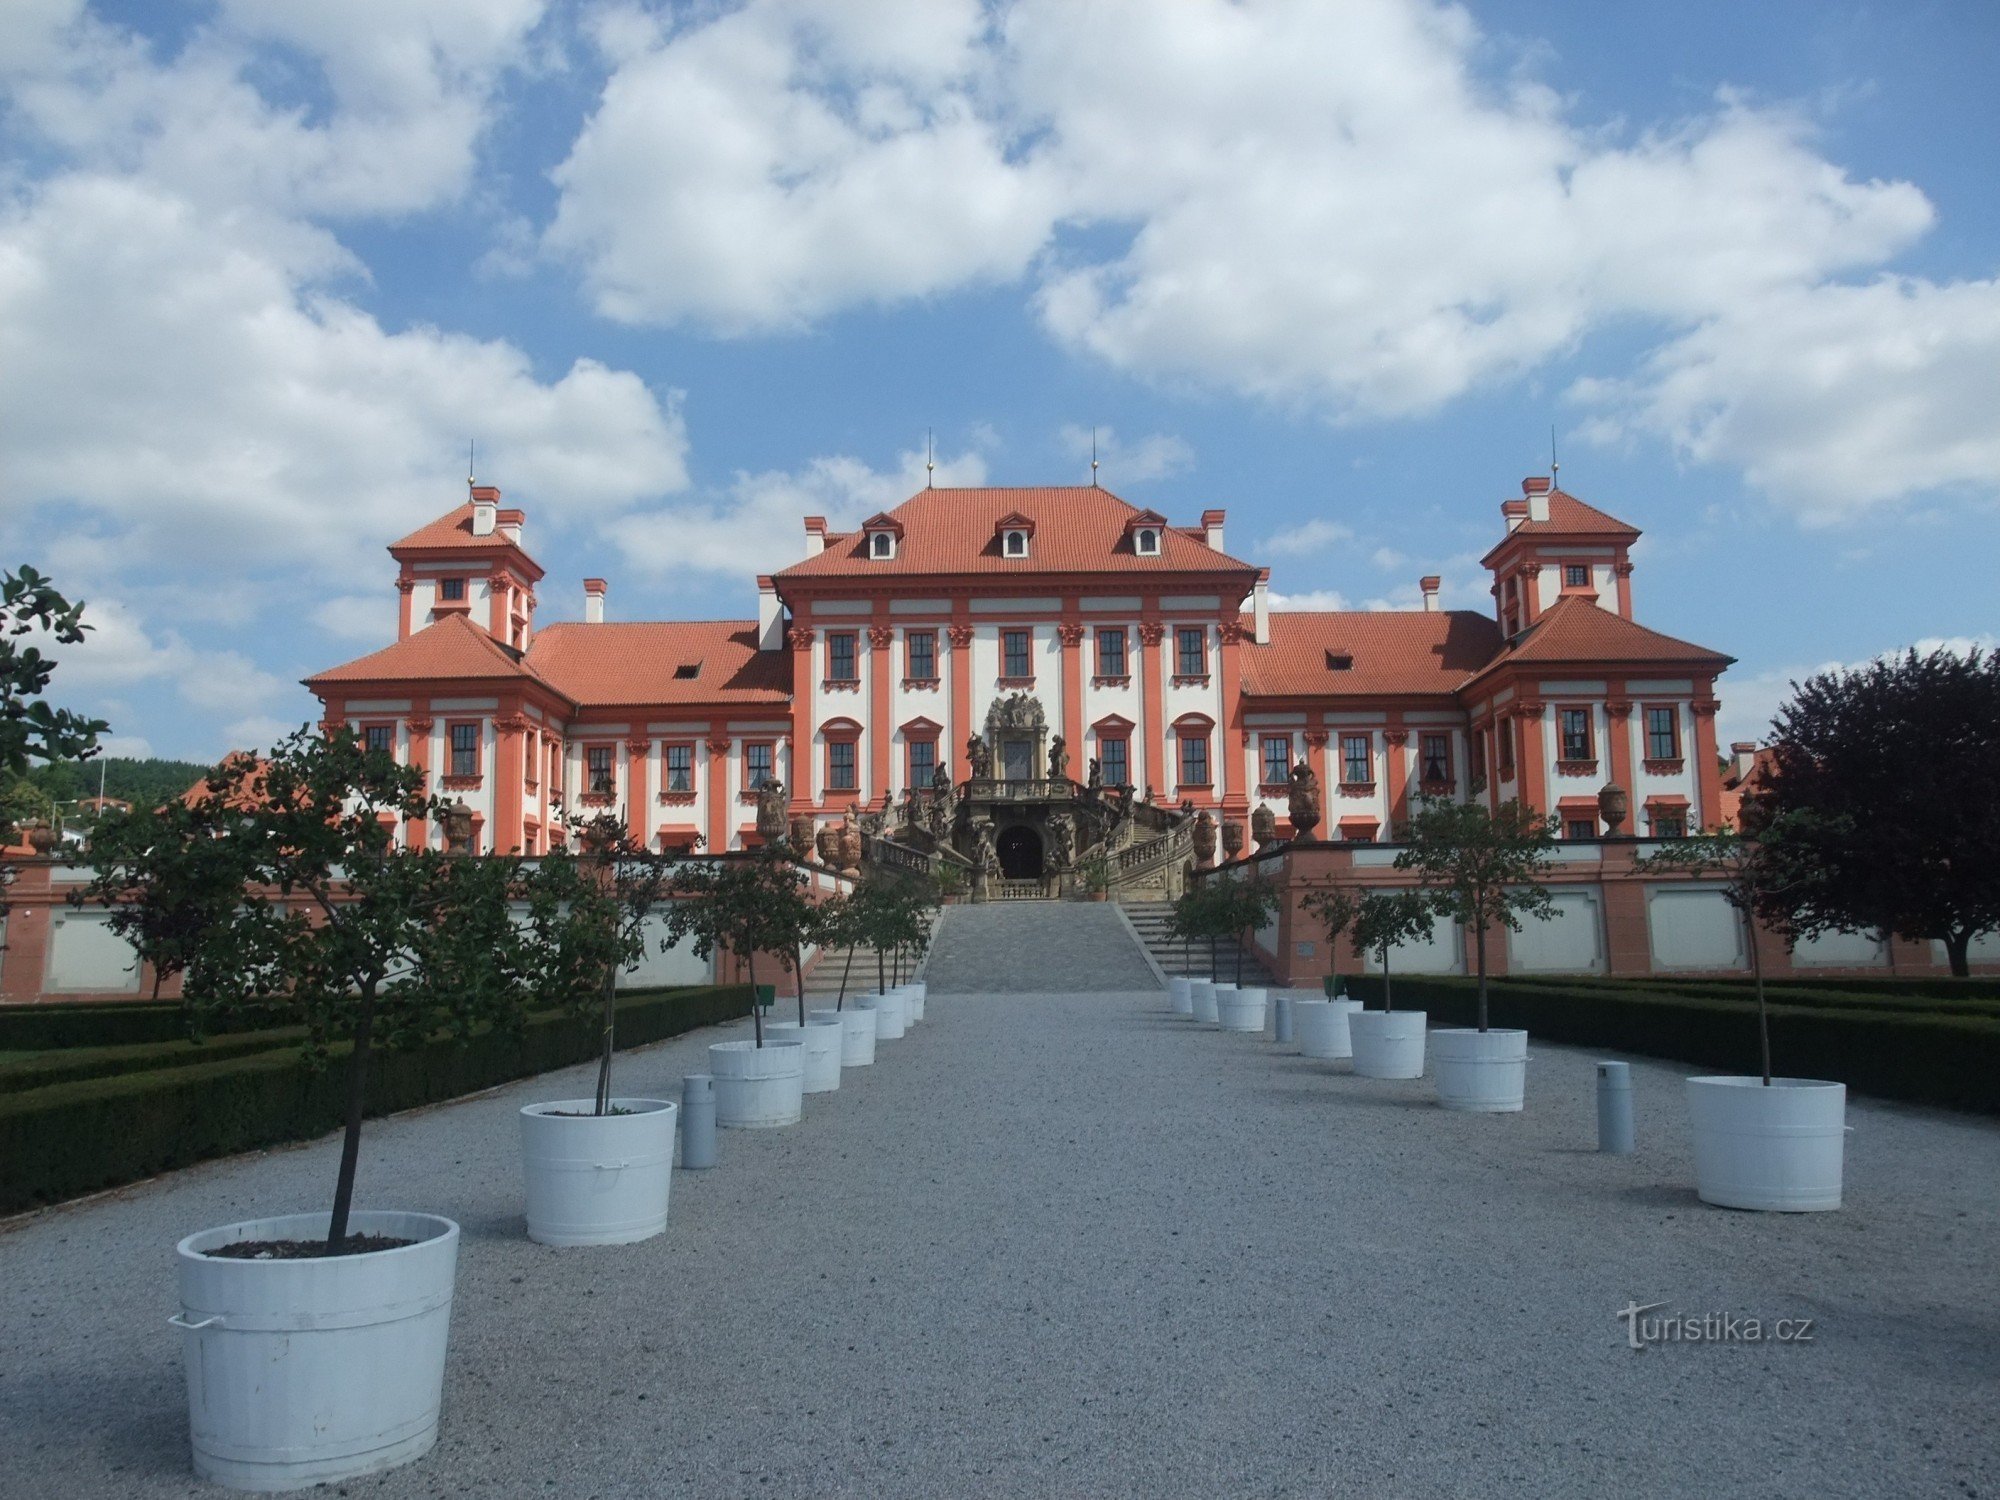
(598, 1171)
(1320, 1025)
(1389, 1043)
(740, 905)
(1094, 872)
(1760, 1142)
(1251, 901)
(1481, 869)
(365, 944)
(1183, 922)
(808, 922)
(843, 922)
(1203, 913)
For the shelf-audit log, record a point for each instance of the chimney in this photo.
(770, 616)
(1514, 512)
(485, 505)
(815, 535)
(1211, 523)
(1742, 755)
(1537, 491)
(593, 601)
(510, 523)
(1429, 584)
(1260, 605)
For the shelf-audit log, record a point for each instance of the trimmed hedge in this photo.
(45, 1026)
(1921, 1057)
(73, 1064)
(78, 1137)
(1930, 987)
(1813, 997)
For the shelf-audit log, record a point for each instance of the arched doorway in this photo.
(1020, 851)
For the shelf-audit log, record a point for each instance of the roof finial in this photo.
(930, 465)
(1093, 456)
(1555, 468)
(471, 448)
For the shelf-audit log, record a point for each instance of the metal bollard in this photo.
(1283, 1024)
(1614, 1108)
(698, 1121)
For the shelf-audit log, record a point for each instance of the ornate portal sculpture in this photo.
(979, 758)
(1304, 802)
(1062, 843)
(1058, 759)
(1095, 782)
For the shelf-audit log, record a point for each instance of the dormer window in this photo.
(1016, 544)
(451, 589)
(881, 545)
(1339, 661)
(881, 535)
(687, 671)
(1146, 542)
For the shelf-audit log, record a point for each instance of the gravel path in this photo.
(1030, 947)
(1071, 1246)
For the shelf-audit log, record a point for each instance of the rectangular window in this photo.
(1576, 734)
(1113, 763)
(1434, 759)
(1014, 644)
(1111, 652)
(923, 762)
(920, 650)
(1579, 828)
(379, 739)
(1357, 833)
(1357, 759)
(1277, 758)
(840, 656)
(1476, 754)
(597, 770)
(1663, 740)
(1505, 729)
(1194, 760)
(680, 768)
(451, 588)
(1670, 825)
(465, 749)
(1576, 575)
(840, 766)
(757, 763)
(1191, 649)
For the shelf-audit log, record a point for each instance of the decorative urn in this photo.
(1232, 840)
(802, 835)
(1264, 826)
(457, 828)
(828, 844)
(1204, 838)
(1614, 805)
(850, 847)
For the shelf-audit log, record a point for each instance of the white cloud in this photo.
(1310, 599)
(755, 526)
(1307, 537)
(1158, 455)
(125, 747)
(1751, 700)
(366, 618)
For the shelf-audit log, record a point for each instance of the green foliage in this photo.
(165, 882)
(1481, 869)
(29, 728)
(1388, 919)
(1094, 870)
(80, 1136)
(141, 782)
(1334, 909)
(1917, 1056)
(1893, 841)
(745, 905)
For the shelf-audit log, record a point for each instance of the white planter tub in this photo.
(756, 1087)
(892, 1017)
(304, 1371)
(597, 1179)
(1180, 994)
(1778, 1148)
(1240, 1009)
(1202, 995)
(857, 1032)
(1320, 1027)
(822, 1050)
(1387, 1044)
(920, 994)
(1484, 1071)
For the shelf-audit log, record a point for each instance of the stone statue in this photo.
(1304, 802)
(1062, 843)
(1096, 776)
(979, 758)
(1058, 759)
(941, 779)
(989, 856)
(912, 808)
(872, 824)
(1148, 798)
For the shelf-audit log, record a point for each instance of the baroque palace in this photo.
(1027, 676)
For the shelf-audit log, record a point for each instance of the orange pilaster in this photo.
(1395, 744)
(1618, 721)
(1533, 770)
(721, 794)
(405, 586)
(419, 730)
(961, 727)
(800, 639)
(510, 765)
(1228, 770)
(637, 792)
(1151, 673)
(881, 687)
(1070, 632)
(1707, 770)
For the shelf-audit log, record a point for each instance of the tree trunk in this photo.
(799, 958)
(756, 1010)
(1479, 947)
(1242, 942)
(1211, 958)
(350, 1143)
(608, 1039)
(846, 969)
(1763, 1013)
(1388, 989)
(1958, 949)
(881, 973)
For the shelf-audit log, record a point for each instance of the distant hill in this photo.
(144, 783)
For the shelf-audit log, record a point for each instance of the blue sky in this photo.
(687, 273)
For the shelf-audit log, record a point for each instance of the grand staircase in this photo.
(823, 977)
(1149, 918)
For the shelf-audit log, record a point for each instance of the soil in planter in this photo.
(354, 1244)
(586, 1114)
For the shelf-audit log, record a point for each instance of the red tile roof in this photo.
(453, 648)
(1078, 529)
(634, 662)
(1393, 652)
(450, 531)
(1575, 630)
(1568, 516)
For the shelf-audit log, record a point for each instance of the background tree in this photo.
(1200, 915)
(1334, 909)
(1251, 902)
(1896, 769)
(29, 728)
(360, 940)
(164, 882)
(743, 905)
(1480, 868)
(1385, 921)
